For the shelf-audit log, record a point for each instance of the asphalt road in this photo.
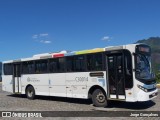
(10, 102)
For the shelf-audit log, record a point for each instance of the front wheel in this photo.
(99, 99)
(30, 93)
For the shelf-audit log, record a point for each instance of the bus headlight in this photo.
(142, 88)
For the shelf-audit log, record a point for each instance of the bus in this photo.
(121, 73)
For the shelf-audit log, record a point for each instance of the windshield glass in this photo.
(143, 67)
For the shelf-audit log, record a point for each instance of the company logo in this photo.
(6, 114)
(21, 114)
(28, 79)
(32, 80)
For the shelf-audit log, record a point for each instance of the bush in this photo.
(158, 77)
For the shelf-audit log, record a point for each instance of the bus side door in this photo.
(116, 78)
(17, 78)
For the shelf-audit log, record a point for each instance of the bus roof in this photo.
(70, 53)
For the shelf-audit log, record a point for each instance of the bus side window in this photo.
(31, 67)
(57, 65)
(94, 62)
(61, 64)
(98, 61)
(37, 66)
(44, 66)
(53, 65)
(70, 64)
(90, 62)
(25, 68)
(8, 69)
(28, 67)
(79, 63)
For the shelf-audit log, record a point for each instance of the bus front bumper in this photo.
(146, 96)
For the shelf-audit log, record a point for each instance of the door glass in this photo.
(111, 70)
(120, 76)
(17, 72)
(116, 74)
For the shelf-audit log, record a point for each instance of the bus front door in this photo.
(116, 77)
(17, 78)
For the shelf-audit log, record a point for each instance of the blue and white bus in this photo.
(121, 73)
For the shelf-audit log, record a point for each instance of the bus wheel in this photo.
(30, 92)
(99, 98)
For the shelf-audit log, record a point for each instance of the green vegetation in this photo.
(158, 77)
(154, 43)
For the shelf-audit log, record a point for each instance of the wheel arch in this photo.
(93, 88)
(28, 86)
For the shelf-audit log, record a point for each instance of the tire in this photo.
(30, 93)
(99, 99)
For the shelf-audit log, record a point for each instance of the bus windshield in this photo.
(143, 67)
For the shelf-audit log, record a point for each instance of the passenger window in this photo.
(98, 62)
(80, 63)
(41, 66)
(53, 63)
(8, 69)
(37, 66)
(44, 64)
(94, 62)
(25, 68)
(57, 65)
(90, 62)
(31, 67)
(61, 65)
(28, 67)
(70, 64)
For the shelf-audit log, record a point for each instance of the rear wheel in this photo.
(99, 99)
(30, 92)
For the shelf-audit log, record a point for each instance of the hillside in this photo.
(154, 42)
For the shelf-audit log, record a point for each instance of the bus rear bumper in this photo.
(146, 96)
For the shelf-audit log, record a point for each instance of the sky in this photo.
(29, 27)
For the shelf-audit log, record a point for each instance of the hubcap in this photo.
(100, 98)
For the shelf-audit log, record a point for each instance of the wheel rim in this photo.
(30, 93)
(100, 97)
